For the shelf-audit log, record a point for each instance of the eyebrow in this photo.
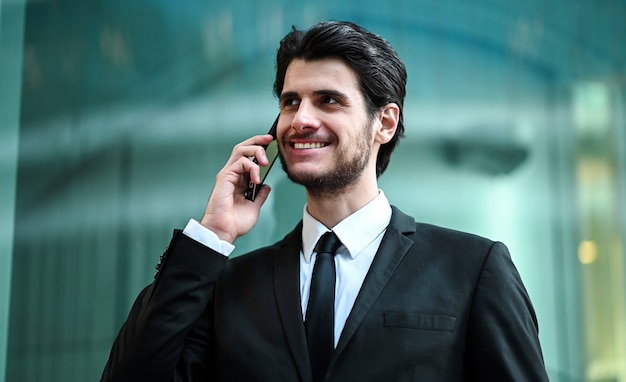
(321, 92)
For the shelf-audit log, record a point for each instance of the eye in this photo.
(286, 102)
(329, 100)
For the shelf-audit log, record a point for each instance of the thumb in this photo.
(262, 195)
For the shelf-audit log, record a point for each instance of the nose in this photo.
(305, 118)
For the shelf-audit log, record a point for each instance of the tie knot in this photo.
(328, 243)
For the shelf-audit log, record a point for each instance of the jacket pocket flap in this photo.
(419, 321)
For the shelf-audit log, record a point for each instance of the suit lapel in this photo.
(287, 291)
(392, 250)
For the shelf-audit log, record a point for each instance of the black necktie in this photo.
(320, 313)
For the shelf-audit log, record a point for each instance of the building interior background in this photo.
(115, 117)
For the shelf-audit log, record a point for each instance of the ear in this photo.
(388, 116)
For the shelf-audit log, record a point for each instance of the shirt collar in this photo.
(356, 231)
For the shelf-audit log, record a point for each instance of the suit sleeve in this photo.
(503, 343)
(168, 335)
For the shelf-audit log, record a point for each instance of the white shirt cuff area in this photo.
(203, 235)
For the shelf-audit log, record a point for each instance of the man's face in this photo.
(325, 137)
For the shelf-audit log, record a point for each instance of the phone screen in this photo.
(272, 153)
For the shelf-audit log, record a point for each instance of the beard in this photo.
(347, 169)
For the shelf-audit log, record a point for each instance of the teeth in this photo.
(308, 145)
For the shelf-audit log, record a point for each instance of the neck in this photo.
(332, 209)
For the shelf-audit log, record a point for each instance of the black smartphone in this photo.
(271, 151)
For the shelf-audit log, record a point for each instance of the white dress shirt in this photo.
(360, 235)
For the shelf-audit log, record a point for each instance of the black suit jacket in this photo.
(436, 305)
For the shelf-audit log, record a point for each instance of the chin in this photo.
(306, 170)
(305, 178)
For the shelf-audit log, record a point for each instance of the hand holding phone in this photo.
(271, 151)
(229, 213)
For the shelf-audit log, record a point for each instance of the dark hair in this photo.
(381, 73)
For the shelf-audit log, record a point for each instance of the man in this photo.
(412, 302)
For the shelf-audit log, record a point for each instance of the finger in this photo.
(253, 170)
(262, 139)
(239, 172)
(253, 142)
(247, 169)
(252, 147)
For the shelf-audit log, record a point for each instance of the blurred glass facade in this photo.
(115, 117)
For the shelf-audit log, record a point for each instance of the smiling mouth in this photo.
(315, 145)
